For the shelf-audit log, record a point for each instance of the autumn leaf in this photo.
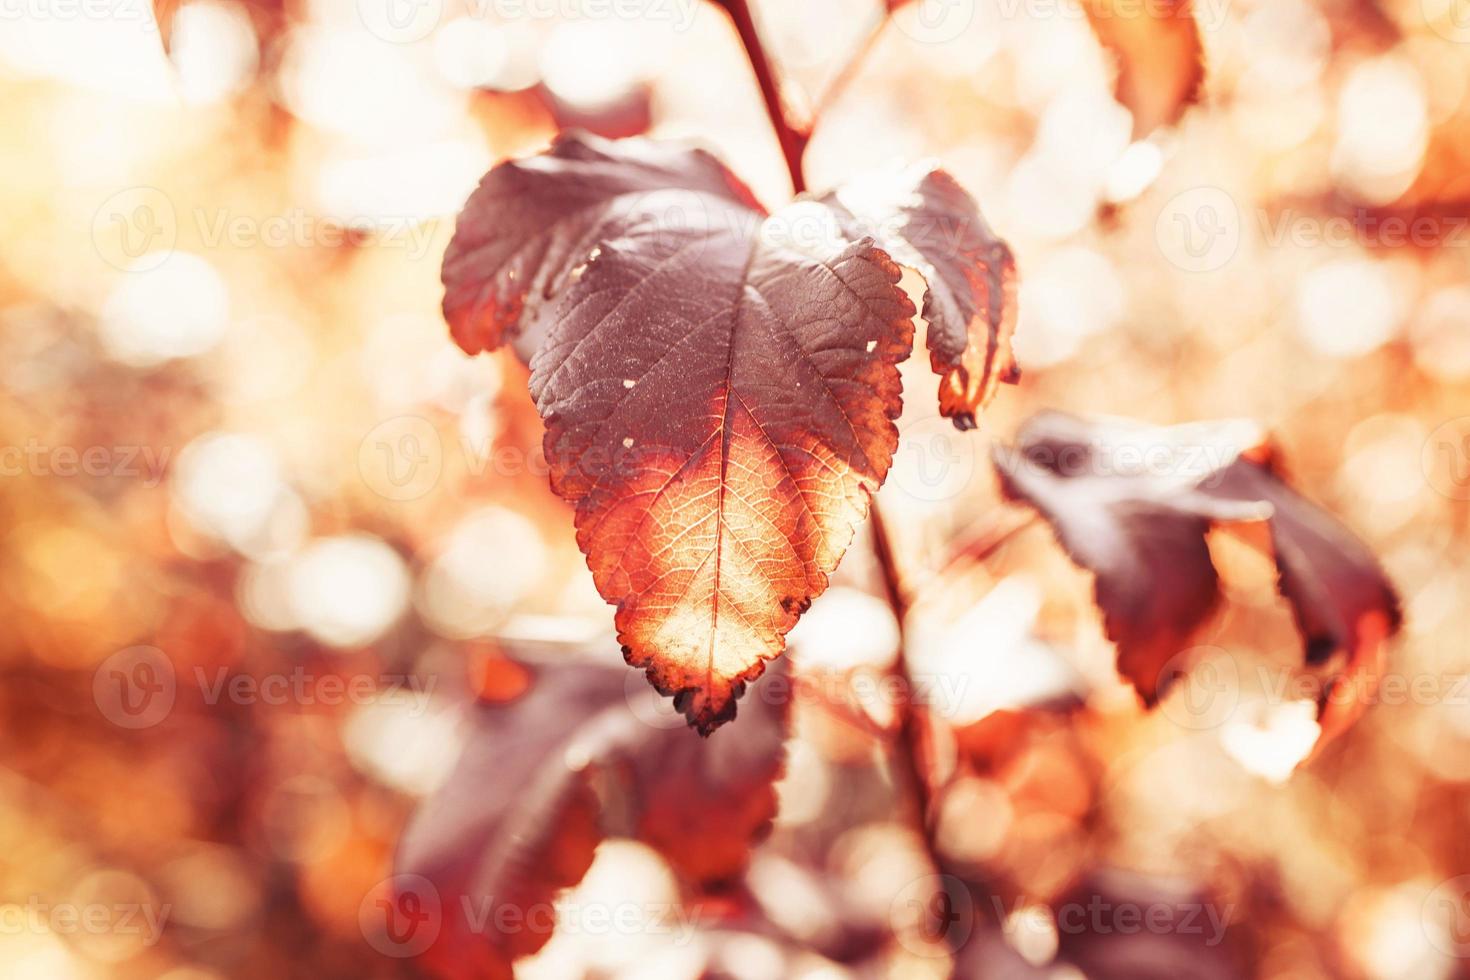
(719, 409)
(1160, 62)
(545, 777)
(927, 221)
(1133, 503)
(718, 384)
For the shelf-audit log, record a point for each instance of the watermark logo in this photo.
(647, 705)
(1099, 915)
(407, 21)
(1450, 19)
(129, 462)
(400, 21)
(934, 460)
(1199, 688)
(135, 688)
(135, 229)
(401, 916)
(932, 915)
(402, 458)
(141, 922)
(115, 11)
(138, 687)
(1445, 916)
(1198, 230)
(935, 21)
(1446, 458)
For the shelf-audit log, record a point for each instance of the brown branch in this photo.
(911, 757)
(793, 140)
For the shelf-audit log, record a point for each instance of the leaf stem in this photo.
(793, 140)
(910, 721)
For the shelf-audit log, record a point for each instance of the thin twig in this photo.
(910, 720)
(980, 546)
(849, 71)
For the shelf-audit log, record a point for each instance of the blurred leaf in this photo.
(543, 778)
(1132, 503)
(1159, 59)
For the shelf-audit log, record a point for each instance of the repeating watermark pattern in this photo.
(932, 915)
(937, 913)
(1206, 687)
(943, 695)
(1446, 458)
(1098, 915)
(135, 688)
(140, 920)
(138, 688)
(136, 228)
(1201, 229)
(1198, 464)
(407, 21)
(935, 21)
(403, 458)
(942, 21)
(123, 11)
(404, 915)
(1450, 19)
(401, 916)
(35, 458)
(934, 461)
(1363, 228)
(1445, 916)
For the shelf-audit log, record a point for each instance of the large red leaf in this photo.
(927, 221)
(1132, 503)
(540, 782)
(718, 388)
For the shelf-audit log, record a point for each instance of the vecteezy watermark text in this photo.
(404, 915)
(35, 458)
(138, 687)
(86, 919)
(136, 227)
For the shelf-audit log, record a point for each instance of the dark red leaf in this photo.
(1132, 503)
(719, 385)
(927, 221)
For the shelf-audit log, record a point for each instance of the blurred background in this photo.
(267, 532)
